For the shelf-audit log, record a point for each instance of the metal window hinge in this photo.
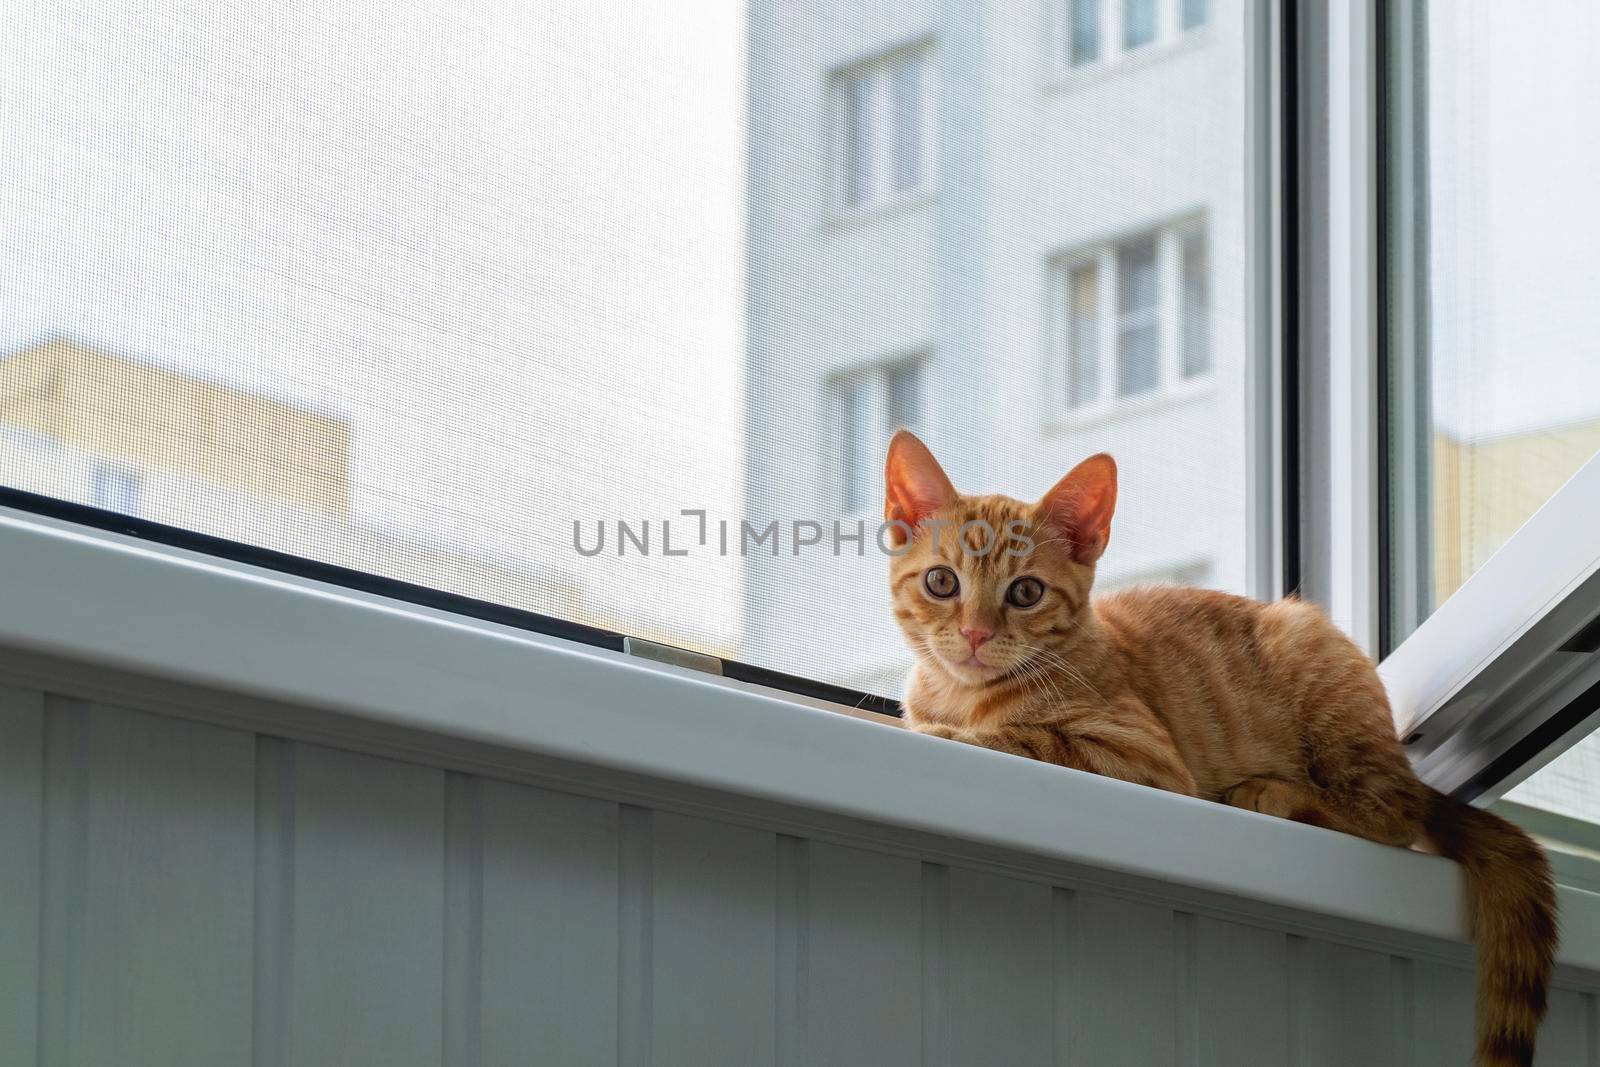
(671, 654)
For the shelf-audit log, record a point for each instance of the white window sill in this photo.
(1063, 419)
(97, 599)
(850, 218)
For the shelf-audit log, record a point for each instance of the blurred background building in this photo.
(1026, 254)
(90, 426)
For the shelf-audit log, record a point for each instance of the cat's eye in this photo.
(1025, 592)
(941, 582)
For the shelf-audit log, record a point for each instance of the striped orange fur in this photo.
(1263, 706)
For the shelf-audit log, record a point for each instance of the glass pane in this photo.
(1136, 276)
(858, 435)
(1138, 22)
(1496, 347)
(905, 396)
(910, 124)
(1192, 14)
(1083, 336)
(1083, 31)
(1138, 328)
(1195, 264)
(858, 147)
(421, 289)
(1138, 356)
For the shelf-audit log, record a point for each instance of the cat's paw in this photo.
(1247, 795)
(937, 729)
(1286, 800)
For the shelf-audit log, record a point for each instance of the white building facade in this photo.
(1020, 230)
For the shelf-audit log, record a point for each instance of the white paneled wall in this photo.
(174, 892)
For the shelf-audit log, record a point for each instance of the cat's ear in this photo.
(1080, 506)
(914, 485)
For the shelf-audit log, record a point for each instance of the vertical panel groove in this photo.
(1299, 968)
(22, 771)
(549, 934)
(1186, 995)
(935, 970)
(64, 879)
(792, 978)
(274, 910)
(1064, 971)
(635, 920)
(368, 952)
(861, 957)
(1591, 1013)
(1402, 987)
(463, 920)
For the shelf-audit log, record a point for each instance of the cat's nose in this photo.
(976, 635)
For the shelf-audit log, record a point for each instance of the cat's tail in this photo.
(1513, 907)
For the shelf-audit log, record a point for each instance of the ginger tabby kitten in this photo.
(1267, 707)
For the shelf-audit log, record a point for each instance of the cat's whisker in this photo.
(1036, 682)
(1055, 691)
(1059, 662)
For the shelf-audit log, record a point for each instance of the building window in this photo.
(885, 129)
(1124, 26)
(114, 489)
(1134, 316)
(869, 405)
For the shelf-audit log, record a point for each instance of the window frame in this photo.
(1488, 689)
(1334, 328)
